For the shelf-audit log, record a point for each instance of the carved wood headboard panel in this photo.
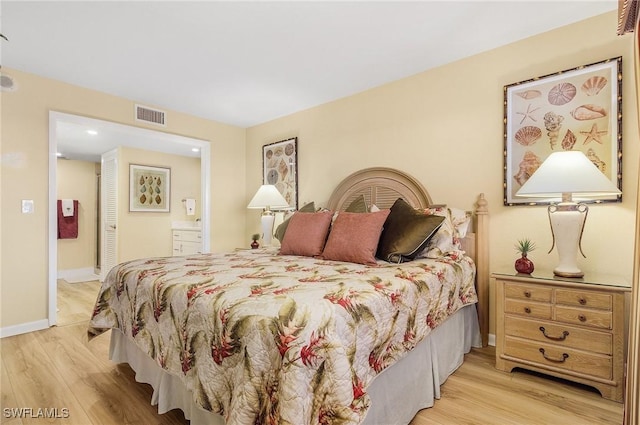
(380, 186)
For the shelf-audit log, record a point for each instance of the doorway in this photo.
(128, 136)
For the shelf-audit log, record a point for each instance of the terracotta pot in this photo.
(254, 245)
(524, 265)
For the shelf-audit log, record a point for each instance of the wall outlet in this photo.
(27, 206)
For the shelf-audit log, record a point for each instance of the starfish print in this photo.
(594, 134)
(527, 114)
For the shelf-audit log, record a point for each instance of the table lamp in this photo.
(562, 175)
(267, 197)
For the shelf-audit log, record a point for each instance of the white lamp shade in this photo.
(268, 196)
(567, 172)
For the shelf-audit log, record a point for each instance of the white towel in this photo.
(190, 205)
(67, 207)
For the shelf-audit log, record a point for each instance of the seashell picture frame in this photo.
(149, 188)
(280, 168)
(575, 109)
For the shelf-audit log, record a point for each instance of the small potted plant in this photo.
(523, 264)
(254, 241)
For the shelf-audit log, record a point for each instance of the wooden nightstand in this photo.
(574, 329)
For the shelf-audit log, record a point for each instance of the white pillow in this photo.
(447, 239)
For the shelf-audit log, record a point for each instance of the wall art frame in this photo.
(280, 168)
(149, 188)
(575, 109)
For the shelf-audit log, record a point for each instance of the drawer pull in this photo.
(527, 310)
(565, 356)
(582, 318)
(582, 301)
(564, 335)
(527, 294)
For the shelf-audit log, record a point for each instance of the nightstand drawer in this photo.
(525, 292)
(588, 299)
(582, 316)
(561, 335)
(528, 309)
(554, 357)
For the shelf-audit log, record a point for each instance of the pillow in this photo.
(282, 228)
(354, 237)
(358, 205)
(453, 230)
(306, 233)
(406, 232)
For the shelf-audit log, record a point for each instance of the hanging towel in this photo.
(67, 226)
(190, 205)
(68, 207)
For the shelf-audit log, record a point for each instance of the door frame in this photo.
(54, 118)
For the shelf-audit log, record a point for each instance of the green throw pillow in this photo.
(406, 232)
(358, 205)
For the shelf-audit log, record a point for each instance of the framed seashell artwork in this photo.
(149, 188)
(575, 109)
(280, 168)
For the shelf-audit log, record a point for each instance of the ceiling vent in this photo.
(150, 115)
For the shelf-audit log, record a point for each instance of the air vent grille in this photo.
(150, 115)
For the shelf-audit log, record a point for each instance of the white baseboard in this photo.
(78, 275)
(24, 328)
(492, 340)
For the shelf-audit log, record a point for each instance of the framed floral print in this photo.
(577, 109)
(280, 168)
(149, 188)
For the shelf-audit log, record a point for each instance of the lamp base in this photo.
(266, 221)
(567, 223)
(563, 273)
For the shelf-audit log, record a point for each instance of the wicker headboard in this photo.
(380, 186)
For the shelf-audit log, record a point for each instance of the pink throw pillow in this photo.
(354, 237)
(306, 233)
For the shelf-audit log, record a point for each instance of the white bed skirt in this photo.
(397, 394)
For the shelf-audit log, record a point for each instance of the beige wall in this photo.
(24, 175)
(148, 234)
(77, 180)
(444, 127)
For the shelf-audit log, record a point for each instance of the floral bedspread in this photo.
(267, 339)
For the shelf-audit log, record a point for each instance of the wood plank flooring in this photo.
(75, 301)
(59, 369)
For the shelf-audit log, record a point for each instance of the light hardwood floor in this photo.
(75, 301)
(59, 368)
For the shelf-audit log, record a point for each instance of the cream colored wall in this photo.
(24, 175)
(77, 180)
(148, 234)
(444, 127)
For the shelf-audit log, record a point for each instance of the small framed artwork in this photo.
(149, 188)
(280, 168)
(576, 109)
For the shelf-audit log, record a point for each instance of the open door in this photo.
(109, 212)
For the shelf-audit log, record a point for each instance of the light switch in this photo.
(27, 206)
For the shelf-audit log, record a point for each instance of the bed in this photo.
(255, 337)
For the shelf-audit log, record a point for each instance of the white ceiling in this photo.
(245, 63)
